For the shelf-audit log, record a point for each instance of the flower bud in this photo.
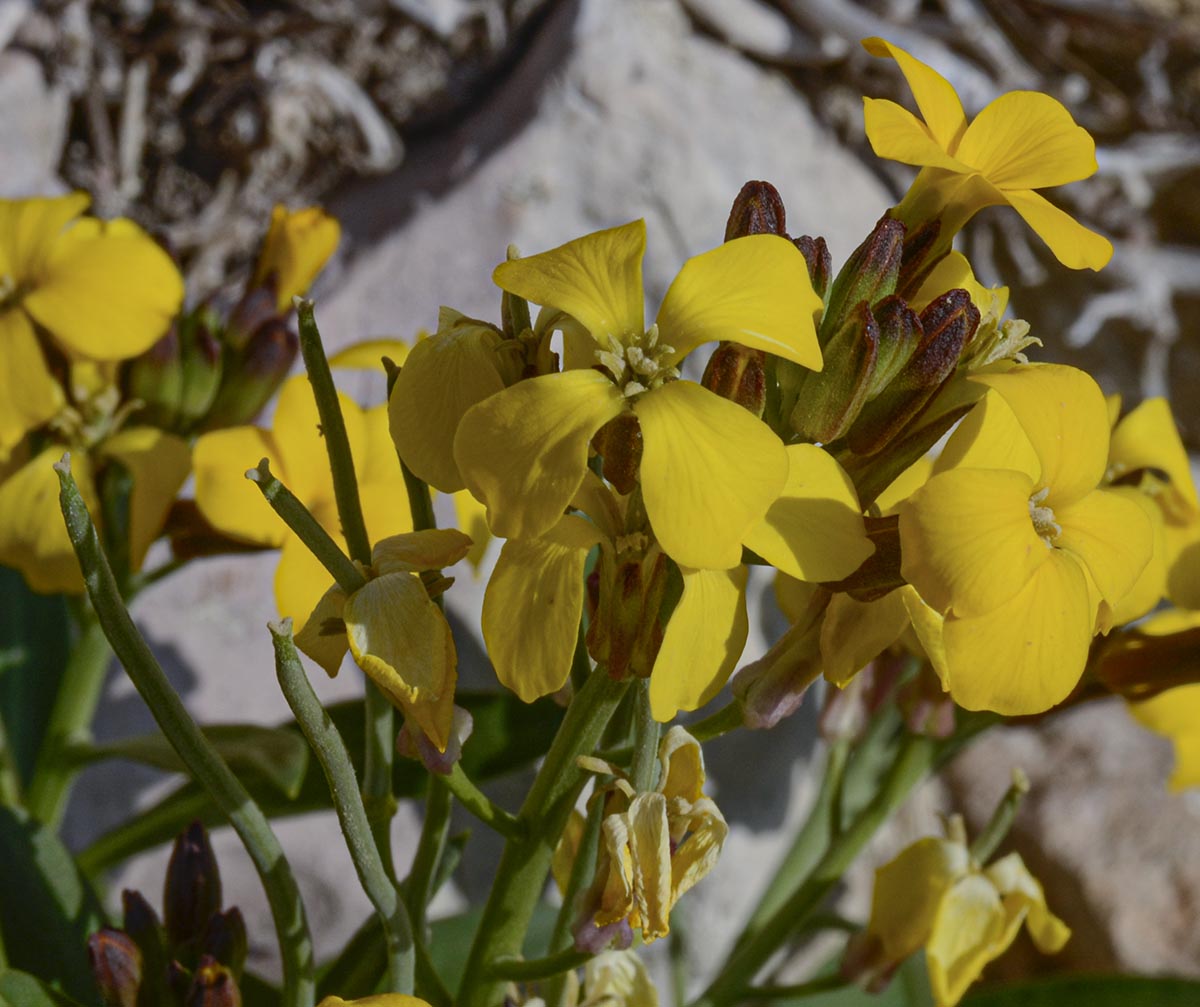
(116, 964)
(820, 262)
(251, 313)
(619, 444)
(192, 892)
(412, 743)
(626, 632)
(757, 209)
(926, 706)
(142, 925)
(869, 275)
(899, 335)
(225, 940)
(213, 985)
(201, 366)
(947, 323)
(156, 378)
(830, 400)
(922, 252)
(253, 375)
(738, 373)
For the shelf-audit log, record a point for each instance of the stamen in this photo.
(1043, 517)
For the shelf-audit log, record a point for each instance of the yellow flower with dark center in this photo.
(296, 451)
(398, 637)
(97, 290)
(1016, 544)
(1020, 142)
(709, 468)
(934, 895)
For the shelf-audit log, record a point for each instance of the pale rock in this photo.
(33, 122)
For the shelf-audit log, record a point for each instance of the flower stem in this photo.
(643, 770)
(715, 724)
(915, 759)
(478, 804)
(435, 829)
(582, 871)
(523, 867)
(330, 750)
(537, 968)
(203, 763)
(70, 719)
(1002, 818)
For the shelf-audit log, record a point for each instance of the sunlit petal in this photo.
(1147, 438)
(908, 891)
(368, 355)
(1072, 244)
(1027, 140)
(898, 135)
(296, 431)
(1024, 899)
(650, 849)
(1063, 413)
(935, 97)
(297, 245)
(710, 470)
(754, 291)
(472, 519)
(414, 551)
(524, 451)
(963, 940)
(29, 229)
(323, 636)
(596, 278)
(703, 641)
(300, 579)
(29, 395)
(967, 539)
(991, 437)
(814, 530)
(1111, 536)
(229, 501)
(1028, 654)
(532, 606)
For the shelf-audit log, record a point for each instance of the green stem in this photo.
(714, 725)
(644, 768)
(520, 970)
(521, 874)
(478, 804)
(582, 870)
(203, 763)
(435, 830)
(330, 750)
(915, 759)
(1002, 819)
(70, 721)
(420, 503)
(297, 517)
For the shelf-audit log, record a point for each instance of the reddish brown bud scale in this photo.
(738, 373)
(619, 444)
(819, 261)
(757, 209)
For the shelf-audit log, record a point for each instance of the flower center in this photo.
(1043, 517)
(640, 363)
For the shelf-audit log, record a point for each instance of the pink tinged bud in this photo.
(412, 743)
(739, 374)
(773, 687)
(820, 262)
(594, 939)
(757, 209)
(922, 251)
(141, 923)
(192, 892)
(116, 964)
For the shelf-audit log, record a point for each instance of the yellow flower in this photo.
(617, 979)
(656, 846)
(99, 291)
(1020, 142)
(1015, 545)
(934, 895)
(33, 537)
(709, 468)
(813, 530)
(296, 451)
(398, 637)
(296, 247)
(379, 1000)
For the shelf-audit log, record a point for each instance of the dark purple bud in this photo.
(758, 209)
(192, 892)
(225, 940)
(820, 262)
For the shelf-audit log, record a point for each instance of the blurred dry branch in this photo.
(195, 117)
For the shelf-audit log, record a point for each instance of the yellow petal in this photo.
(414, 551)
(705, 830)
(229, 501)
(472, 519)
(1111, 536)
(798, 600)
(323, 636)
(927, 626)
(710, 470)
(681, 762)
(1027, 140)
(1183, 564)
(532, 605)
(1072, 244)
(567, 850)
(1028, 654)
(368, 355)
(159, 464)
(108, 291)
(300, 579)
(296, 247)
(1175, 714)
(935, 96)
(29, 395)
(965, 932)
(33, 536)
(898, 135)
(444, 376)
(754, 291)
(650, 849)
(380, 1000)
(1150, 587)
(908, 891)
(398, 637)
(967, 540)
(29, 229)
(596, 278)
(303, 456)
(524, 451)
(953, 272)
(814, 531)
(1024, 899)
(702, 643)
(856, 632)
(905, 485)
(1149, 438)
(991, 437)
(1063, 413)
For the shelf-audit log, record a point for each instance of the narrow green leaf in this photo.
(276, 754)
(47, 910)
(20, 989)
(1092, 991)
